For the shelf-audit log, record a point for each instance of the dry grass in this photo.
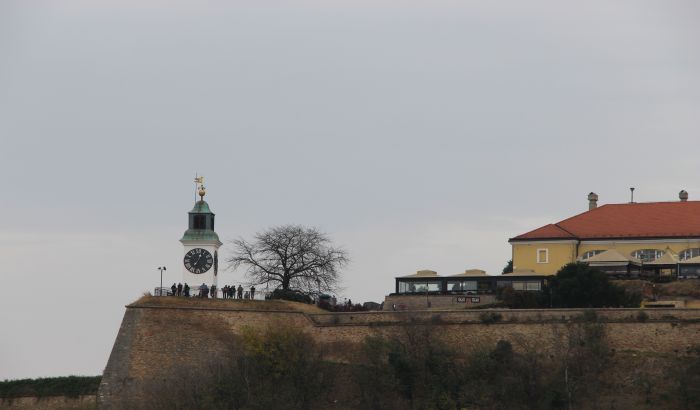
(633, 285)
(688, 288)
(271, 305)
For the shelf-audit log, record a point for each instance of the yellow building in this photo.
(641, 236)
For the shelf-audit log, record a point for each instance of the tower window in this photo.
(199, 222)
(212, 222)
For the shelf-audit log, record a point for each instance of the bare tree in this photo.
(290, 257)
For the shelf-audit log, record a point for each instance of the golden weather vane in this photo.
(198, 186)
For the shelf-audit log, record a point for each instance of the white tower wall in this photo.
(195, 280)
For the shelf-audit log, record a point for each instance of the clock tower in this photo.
(200, 263)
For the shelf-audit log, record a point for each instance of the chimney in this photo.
(683, 195)
(592, 201)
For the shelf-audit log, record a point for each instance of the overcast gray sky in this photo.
(417, 134)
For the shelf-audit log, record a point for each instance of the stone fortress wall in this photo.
(152, 338)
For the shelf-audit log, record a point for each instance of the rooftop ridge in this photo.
(661, 219)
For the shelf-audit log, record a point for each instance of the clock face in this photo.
(198, 260)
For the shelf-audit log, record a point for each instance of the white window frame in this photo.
(683, 255)
(591, 254)
(546, 255)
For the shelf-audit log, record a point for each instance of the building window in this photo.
(543, 256)
(199, 222)
(461, 286)
(689, 253)
(521, 285)
(533, 285)
(419, 287)
(647, 255)
(591, 253)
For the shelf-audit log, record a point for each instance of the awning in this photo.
(669, 258)
(611, 257)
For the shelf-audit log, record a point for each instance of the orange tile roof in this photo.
(626, 221)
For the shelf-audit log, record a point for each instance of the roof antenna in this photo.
(632, 195)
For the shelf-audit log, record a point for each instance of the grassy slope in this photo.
(271, 305)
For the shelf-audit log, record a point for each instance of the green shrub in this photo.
(588, 316)
(642, 316)
(515, 299)
(490, 317)
(70, 386)
(293, 295)
(578, 285)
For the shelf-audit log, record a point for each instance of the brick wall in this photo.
(417, 302)
(152, 341)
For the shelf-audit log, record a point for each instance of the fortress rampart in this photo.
(153, 337)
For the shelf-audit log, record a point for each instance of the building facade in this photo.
(473, 288)
(651, 235)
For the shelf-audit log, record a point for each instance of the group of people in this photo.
(233, 292)
(180, 290)
(229, 292)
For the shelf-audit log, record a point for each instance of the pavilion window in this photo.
(533, 285)
(543, 256)
(407, 287)
(614, 269)
(461, 285)
(690, 271)
(418, 287)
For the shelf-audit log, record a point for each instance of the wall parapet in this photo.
(477, 316)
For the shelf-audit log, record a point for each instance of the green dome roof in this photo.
(201, 207)
(200, 235)
(200, 229)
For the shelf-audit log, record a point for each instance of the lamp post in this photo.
(160, 290)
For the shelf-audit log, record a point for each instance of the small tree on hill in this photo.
(579, 285)
(508, 268)
(290, 257)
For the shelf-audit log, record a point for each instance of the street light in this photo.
(161, 269)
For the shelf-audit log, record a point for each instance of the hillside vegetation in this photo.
(70, 386)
